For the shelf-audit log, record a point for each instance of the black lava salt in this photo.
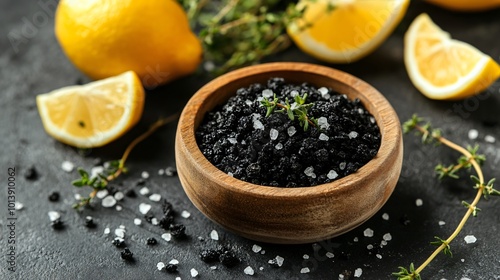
(127, 255)
(171, 268)
(239, 139)
(54, 196)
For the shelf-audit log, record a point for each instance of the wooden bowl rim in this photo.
(389, 140)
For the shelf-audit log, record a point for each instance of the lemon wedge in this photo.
(444, 68)
(343, 31)
(94, 114)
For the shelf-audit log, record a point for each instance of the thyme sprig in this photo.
(236, 33)
(296, 110)
(469, 159)
(113, 168)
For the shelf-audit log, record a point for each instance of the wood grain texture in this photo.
(288, 215)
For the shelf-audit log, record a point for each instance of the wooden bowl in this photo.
(288, 215)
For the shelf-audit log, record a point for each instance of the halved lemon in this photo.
(443, 68)
(94, 114)
(343, 31)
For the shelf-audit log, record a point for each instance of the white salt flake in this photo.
(368, 232)
(379, 256)
(462, 260)
(119, 208)
(18, 205)
(489, 139)
(144, 191)
(256, 248)
(170, 171)
(470, 239)
(383, 243)
(102, 194)
(330, 255)
(355, 239)
(309, 171)
(323, 123)
(441, 223)
(342, 165)
(341, 276)
(261, 268)
(305, 256)
(108, 201)
(323, 91)
(305, 270)
(372, 119)
(353, 134)
(291, 131)
(78, 196)
(67, 166)
(294, 93)
(119, 196)
(53, 215)
(166, 236)
(387, 237)
(273, 134)
(473, 134)
(173, 261)
(120, 232)
(385, 216)
(419, 202)
(323, 137)
(107, 231)
(369, 246)
(194, 272)
(279, 260)
(230, 174)
(248, 270)
(267, 93)
(258, 125)
(144, 175)
(213, 267)
(358, 272)
(178, 278)
(155, 197)
(214, 235)
(249, 102)
(232, 140)
(332, 174)
(185, 214)
(144, 208)
(95, 171)
(263, 252)
(278, 146)
(161, 172)
(137, 221)
(154, 221)
(160, 266)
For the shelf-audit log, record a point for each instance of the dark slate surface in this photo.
(31, 63)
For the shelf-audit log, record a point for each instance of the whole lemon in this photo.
(104, 38)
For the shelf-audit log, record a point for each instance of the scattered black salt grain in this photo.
(177, 230)
(89, 222)
(57, 224)
(209, 255)
(229, 259)
(118, 242)
(127, 255)
(54, 196)
(130, 193)
(151, 241)
(171, 268)
(31, 174)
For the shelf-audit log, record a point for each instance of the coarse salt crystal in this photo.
(353, 134)
(309, 171)
(144, 208)
(108, 201)
(161, 171)
(166, 236)
(278, 146)
(173, 261)
(120, 232)
(18, 205)
(279, 260)
(107, 231)
(341, 276)
(213, 267)
(119, 208)
(379, 256)
(387, 237)
(53, 215)
(232, 140)
(441, 223)
(323, 137)
(330, 255)
(263, 252)
(323, 90)
(489, 139)
(305, 256)
(369, 246)
(267, 93)
(67, 166)
(273, 134)
(258, 125)
(355, 239)
(95, 171)
(419, 202)
(214, 235)
(185, 214)
(291, 131)
(155, 197)
(261, 268)
(137, 221)
(170, 171)
(332, 174)
(248, 102)
(342, 165)
(256, 248)
(102, 194)
(78, 196)
(144, 191)
(368, 232)
(248, 270)
(160, 265)
(294, 93)
(119, 196)
(154, 221)
(144, 175)
(385, 216)
(383, 243)
(358, 272)
(470, 239)
(473, 134)
(372, 119)
(323, 123)
(194, 272)
(305, 270)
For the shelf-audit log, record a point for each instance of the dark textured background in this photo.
(35, 64)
